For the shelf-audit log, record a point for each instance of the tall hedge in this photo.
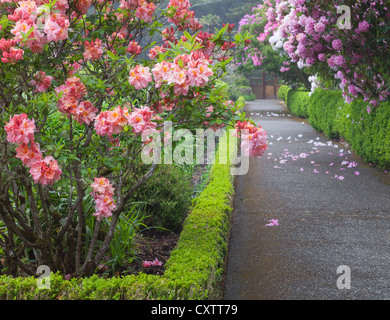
(298, 102)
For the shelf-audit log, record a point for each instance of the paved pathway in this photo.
(324, 222)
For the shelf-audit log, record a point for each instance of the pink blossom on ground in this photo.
(155, 262)
(272, 222)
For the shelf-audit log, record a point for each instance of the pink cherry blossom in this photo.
(272, 222)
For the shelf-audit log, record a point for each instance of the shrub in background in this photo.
(297, 101)
(282, 92)
(366, 130)
(166, 197)
(323, 109)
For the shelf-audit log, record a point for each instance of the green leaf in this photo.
(111, 55)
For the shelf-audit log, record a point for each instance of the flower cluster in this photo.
(102, 192)
(41, 81)
(253, 139)
(184, 72)
(311, 36)
(10, 54)
(113, 122)
(70, 102)
(139, 77)
(20, 130)
(143, 10)
(183, 17)
(93, 49)
(43, 24)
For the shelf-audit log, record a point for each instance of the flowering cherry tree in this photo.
(338, 44)
(80, 81)
(259, 54)
(345, 43)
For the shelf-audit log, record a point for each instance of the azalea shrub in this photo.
(80, 82)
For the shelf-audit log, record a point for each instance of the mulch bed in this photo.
(152, 244)
(156, 244)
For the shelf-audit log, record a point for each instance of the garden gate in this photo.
(266, 86)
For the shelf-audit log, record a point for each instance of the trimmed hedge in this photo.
(282, 92)
(368, 134)
(298, 102)
(193, 271)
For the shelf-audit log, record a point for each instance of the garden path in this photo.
(333, 210)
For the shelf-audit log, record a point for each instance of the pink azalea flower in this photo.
(45, 171)
(139, 77)
(93, 49)
(145, 11)
(146, 264)
(41, 81)
(103, 193)
(29, 155)
(20, 129)
(102, 186)
(156, 262)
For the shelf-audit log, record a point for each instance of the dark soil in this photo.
(152, 244)
(156, 244)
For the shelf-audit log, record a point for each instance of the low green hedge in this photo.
(367, 133)
(193, 271)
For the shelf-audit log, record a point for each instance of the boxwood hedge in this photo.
(367, 133)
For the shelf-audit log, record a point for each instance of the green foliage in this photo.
(123, 245)
(282, 92)
(167, 197)
(297, 101)
(367, 133)
(193, 272)
(323, 109)
(241, 101)
(245, 91)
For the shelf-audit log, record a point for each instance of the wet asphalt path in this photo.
(324, 222)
